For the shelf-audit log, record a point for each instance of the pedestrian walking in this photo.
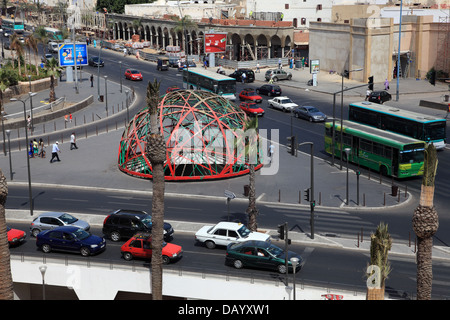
(92, 80)
(66, 119)
(30, 150)
(29, 122)
(55, 150)
(279, 63)
(244, 76)
(35, 148)
(271, 152)
(41, 148)
(386, 84)
(70, 117)
(257, 68)
(73, 143)
(368, 94)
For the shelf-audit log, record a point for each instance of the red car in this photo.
(15, 236)
(133, 74)
(251, 109)
(139, 246)
(172, 88)
(251, 95)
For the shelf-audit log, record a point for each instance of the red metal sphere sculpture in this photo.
(203, 134)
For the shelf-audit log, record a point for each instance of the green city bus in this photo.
(201, 79)
(412, 124)
(389, 153)
(13, 26)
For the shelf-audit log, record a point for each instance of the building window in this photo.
(286, 5)
(319, 19)
(303, 21)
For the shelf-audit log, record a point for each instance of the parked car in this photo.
(269, 90)
(277, 74)
(51, 220)
(140, 246)
(72, 239)
(126, 223)
(249, 75)
(283, 103)
(251, 109)
(250, 95)
(260, 254)
(95, 62)
(379, 96)
(225, 233)
(309, 113)
(15, 236)
(133, 74)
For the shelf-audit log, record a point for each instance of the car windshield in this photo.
(147, 221)
(275, 251)
(285, 101)
(313, 110)
(243, 231)
(80, 234)
(134, 71)
(67, 218)
(252, 106)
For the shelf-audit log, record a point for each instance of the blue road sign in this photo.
(65, 54)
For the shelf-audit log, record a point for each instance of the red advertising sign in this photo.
(215, 42)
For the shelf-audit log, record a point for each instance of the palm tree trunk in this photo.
(252, 211)
(6, 282)
(156, 149)
(52, 89)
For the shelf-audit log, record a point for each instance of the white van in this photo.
(53, 47)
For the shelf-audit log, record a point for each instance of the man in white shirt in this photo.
(73, 144)
(55, 150)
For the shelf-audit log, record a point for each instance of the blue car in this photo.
(71, 239)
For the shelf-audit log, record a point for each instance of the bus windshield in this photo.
(435, 130)
(226, 87)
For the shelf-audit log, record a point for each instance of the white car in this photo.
(225, 233)
(282, 103)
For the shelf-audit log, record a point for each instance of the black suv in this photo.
(250, 75)
(269, 89)
(126, 223)
(379, 96)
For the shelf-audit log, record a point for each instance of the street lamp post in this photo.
(8, 133)
(3, 129)
(43, 269)
(120, 64)
(294, 262)
(347, 153)
(30, 196)
(127, 92)
(106, 94)
(31, 94)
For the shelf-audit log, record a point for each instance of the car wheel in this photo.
(85, 252)
(238, 264)
(115, 236)
(269, 94)
(281, 268)
(165, 260)
(210, 244)
(257, 91)
(127, 256)
(35, 232)
(275, 79)
(296, 115)
(46, 248)
(289, 77)
(310, 119)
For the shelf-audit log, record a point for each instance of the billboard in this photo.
(65, 54)
(215, 42)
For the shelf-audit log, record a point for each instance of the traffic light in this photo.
(281, 231)
(371, 83)
(307, 196)
(312, 204)
(291, 145)
(433, 77)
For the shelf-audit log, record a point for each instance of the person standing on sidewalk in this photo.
(73, 144)
(55, 150)
(92, 80)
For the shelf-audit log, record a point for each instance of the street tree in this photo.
(6, 282)
(425, 224)
(156, 153)
(53, 70)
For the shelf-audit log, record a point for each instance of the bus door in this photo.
(355, 149)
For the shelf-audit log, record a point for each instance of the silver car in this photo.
(50, 220)
(309, 113)
(277, 74)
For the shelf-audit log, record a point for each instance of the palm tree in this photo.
(18, 47)
(31, 42)
(156, 153)
(6, 282)
(41, 36)
(249, 140)
(380, 245)
(425, 224)
(183, 25)
(52, 69)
